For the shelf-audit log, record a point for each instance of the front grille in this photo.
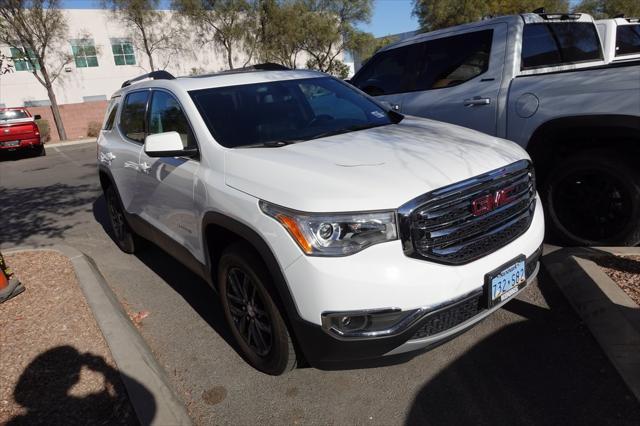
(442, 227)
(449, 317)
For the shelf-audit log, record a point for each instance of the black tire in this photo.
(252, 312)
(124, 237)
(42, 151)
(593, 199)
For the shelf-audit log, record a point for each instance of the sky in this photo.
(389, 16)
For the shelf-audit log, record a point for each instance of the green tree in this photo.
(601, 9)
(330, 30)
(151, 30)
(36, 30)
(230, 24)
(435, 14)
(281, 31)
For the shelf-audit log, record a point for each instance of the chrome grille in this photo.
(441, 225)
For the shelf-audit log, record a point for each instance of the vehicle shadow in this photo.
(545, 369)
(193, 289)
(36, 211)
(45, 391)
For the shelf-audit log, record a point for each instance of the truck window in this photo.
(627, 40)
(454, 60)
(559, 43)
(387, 71)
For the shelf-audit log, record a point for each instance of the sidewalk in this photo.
(70, 143)
(75, 287)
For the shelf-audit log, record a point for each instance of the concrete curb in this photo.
(70, 143)
(610, 314)
(130, 352)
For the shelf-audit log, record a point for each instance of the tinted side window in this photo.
(165, 115)
(627, 40)
(133, 114)
(453, 60)
(111, 114)
(387, 72)
(559, 43)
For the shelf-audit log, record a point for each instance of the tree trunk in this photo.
(146, 47)
(57, 118)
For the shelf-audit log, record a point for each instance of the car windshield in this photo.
(275, 113)
(12, 114)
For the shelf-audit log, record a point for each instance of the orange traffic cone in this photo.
(9, 284)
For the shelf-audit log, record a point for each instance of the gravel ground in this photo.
(56, 367)
(624, 271)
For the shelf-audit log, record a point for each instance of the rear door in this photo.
(166, 184)
(120, 145)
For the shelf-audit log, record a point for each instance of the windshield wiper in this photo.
(347, 130)
(270, 144)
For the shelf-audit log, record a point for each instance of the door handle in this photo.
(476, 101)
(144, 167)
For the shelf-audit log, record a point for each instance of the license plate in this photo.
(10, 143)
(505, 281)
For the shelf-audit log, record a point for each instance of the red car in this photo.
(19, 132)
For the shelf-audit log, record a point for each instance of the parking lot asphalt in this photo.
(532, 362)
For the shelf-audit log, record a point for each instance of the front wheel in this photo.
(594, 199)
(251, 311)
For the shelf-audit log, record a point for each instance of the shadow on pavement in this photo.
(36, 211)
(193, 289)
(546, 369)
(44, 391)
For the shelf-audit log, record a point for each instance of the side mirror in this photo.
(167, 144)
(37, 117)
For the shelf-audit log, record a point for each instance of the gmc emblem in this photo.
(490, 202)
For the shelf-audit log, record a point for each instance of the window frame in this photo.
(123, 134)
(114, 106)
(560, 65)
(24, 60)
(615, 47)
(83, 43)
(419, 64)
(186, 116)
(121, 42)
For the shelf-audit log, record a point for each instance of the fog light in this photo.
(365, 324)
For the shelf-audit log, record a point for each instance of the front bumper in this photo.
(447, 321)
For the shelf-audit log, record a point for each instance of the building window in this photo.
(84, 53)
(20, 61)
(122, 52)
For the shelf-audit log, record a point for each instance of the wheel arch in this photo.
(559, 138)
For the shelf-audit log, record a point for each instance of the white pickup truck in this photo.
(620, 38)
(542, 81)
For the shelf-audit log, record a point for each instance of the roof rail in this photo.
(154, 75)
(267, 66)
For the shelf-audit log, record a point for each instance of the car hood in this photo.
(372, 169)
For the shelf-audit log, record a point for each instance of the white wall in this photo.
(101, 25)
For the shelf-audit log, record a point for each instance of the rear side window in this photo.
(111, 114)
(549, 44)
(627, 40)
(434, 64)
(165, 115)
(132, 116)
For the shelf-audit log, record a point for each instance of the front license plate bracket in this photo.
(504, 281)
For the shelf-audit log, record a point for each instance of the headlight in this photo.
(337, 234)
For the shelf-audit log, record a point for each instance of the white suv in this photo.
(333, 228)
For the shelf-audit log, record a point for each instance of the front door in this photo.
(166, 185)
(460, 78)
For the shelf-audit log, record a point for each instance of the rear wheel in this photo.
(252, 313)
(122, 233)
(594, 199)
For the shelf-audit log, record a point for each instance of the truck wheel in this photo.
(251, 312)
(122, 233)
(594, 199)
